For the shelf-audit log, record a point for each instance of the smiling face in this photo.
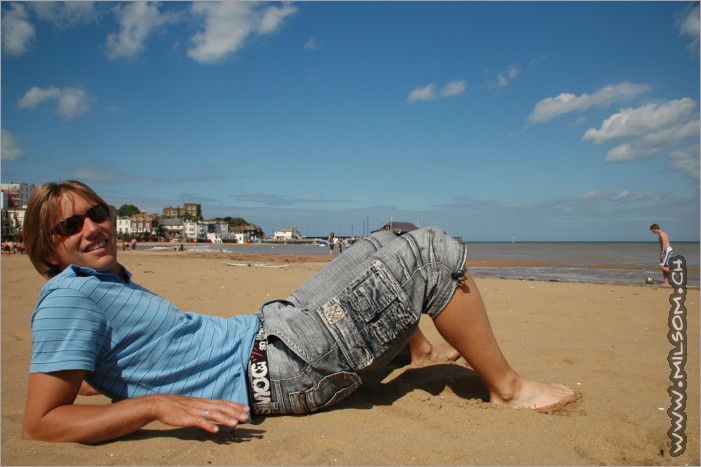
(94, 246)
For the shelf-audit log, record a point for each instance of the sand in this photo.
(609, 342)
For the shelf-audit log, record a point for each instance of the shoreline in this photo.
(479, 267)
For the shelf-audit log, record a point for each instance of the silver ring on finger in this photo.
(205, 414)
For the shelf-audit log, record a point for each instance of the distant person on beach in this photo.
(331, 241)
(340, 245)
(133, 244)
(94, 331)
(665, 251)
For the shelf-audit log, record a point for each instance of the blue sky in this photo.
(553, 121)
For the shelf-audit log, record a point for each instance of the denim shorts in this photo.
(355, 314)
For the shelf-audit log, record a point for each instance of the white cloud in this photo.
(73, 102)
(553, 107)
(454, 88)
(136, 22)
(430, 92)
(17, 31)
(506, 77)
(37, 96)
(93, 173)
(620, 198)
(312, 44)
(649, 118)
(65, 14)
(652, 128)
(272, 18)
(425, 93)
(10, 149)
(687, 159)
(227, 25)
(70, 102)
(591, 194)
(629, 152)
(689, 26)
(100, 173)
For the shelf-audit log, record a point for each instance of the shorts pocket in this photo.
(301, 331)
(368, 317)
(330, 390)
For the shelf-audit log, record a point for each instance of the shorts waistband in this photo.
(259, 386)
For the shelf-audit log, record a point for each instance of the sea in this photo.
(590, 262)
(593, 262)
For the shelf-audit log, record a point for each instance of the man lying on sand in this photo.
(96, 331)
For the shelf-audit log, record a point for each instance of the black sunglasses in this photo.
(74, 224)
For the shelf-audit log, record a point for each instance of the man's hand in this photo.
(182, 411)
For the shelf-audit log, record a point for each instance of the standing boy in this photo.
(665, 251)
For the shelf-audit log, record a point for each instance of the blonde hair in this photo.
(44, 211)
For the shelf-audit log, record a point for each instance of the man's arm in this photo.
(50, 413)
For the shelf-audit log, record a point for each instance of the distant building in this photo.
(14, 198)
(206, 231)
(143, 223)
(193, 231)
(398, 228)
(11, 224)
(174, 229)
(241, 237)
(194, 210)
(217, 232)
(123, 225)
(287, 233)
(17, 194)
(171, 213)
(246, 233)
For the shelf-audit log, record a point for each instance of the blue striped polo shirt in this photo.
(131, 342)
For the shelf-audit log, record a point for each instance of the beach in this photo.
(607, 341)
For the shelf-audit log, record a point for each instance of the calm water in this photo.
(593, 262)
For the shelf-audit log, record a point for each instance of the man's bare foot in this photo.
(421, 350)
(537, 395)
(433, 354)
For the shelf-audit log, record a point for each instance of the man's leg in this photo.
(421, 349)
(664, 265)
(464, 324)
(327, 283)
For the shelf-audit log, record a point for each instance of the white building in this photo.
(123, 225)
(194, 231)
(173, 228)
(241, 237)
(206, 231)
(287, 233)
(217, 232)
